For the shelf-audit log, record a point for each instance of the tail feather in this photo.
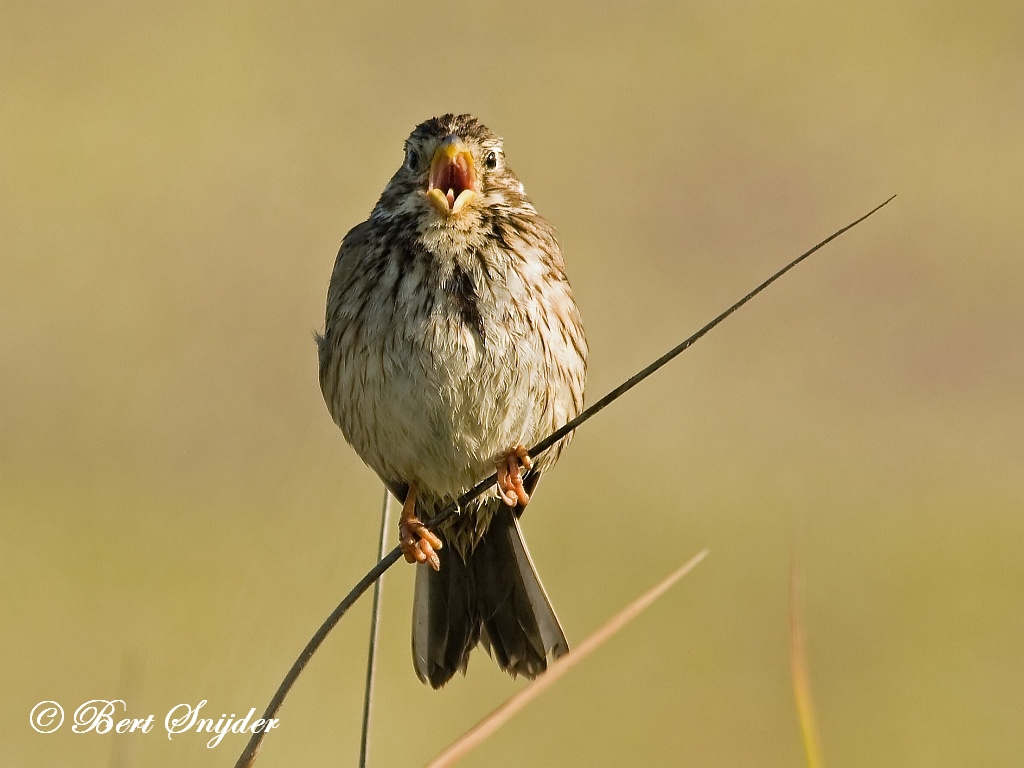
(519, 623)
(446, 625)
(496, 597)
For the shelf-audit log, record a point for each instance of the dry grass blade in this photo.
(483, 730)
(252, 748)
(798, 667)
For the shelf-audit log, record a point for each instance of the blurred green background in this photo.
(179, 513)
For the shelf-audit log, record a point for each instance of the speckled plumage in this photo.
(448, 341)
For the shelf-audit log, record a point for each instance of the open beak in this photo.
(452, 181)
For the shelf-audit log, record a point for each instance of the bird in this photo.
(451, 341)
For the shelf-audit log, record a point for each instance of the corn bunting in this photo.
(451, 342)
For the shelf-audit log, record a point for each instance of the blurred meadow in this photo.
(179, 513)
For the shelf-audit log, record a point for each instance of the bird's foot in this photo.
(416, 540)
(510, 476)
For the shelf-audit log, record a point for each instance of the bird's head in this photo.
(454, 171)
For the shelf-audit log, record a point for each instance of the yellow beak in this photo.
(452, 183)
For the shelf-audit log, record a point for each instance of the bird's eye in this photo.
(491, 160)
(411, 159)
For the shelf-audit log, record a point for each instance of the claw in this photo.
(524, 456)
(416, 540)
(510, 477)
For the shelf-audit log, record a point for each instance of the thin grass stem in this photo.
(371, 654)
(798, 667)
(483, 730)
(248, 756)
